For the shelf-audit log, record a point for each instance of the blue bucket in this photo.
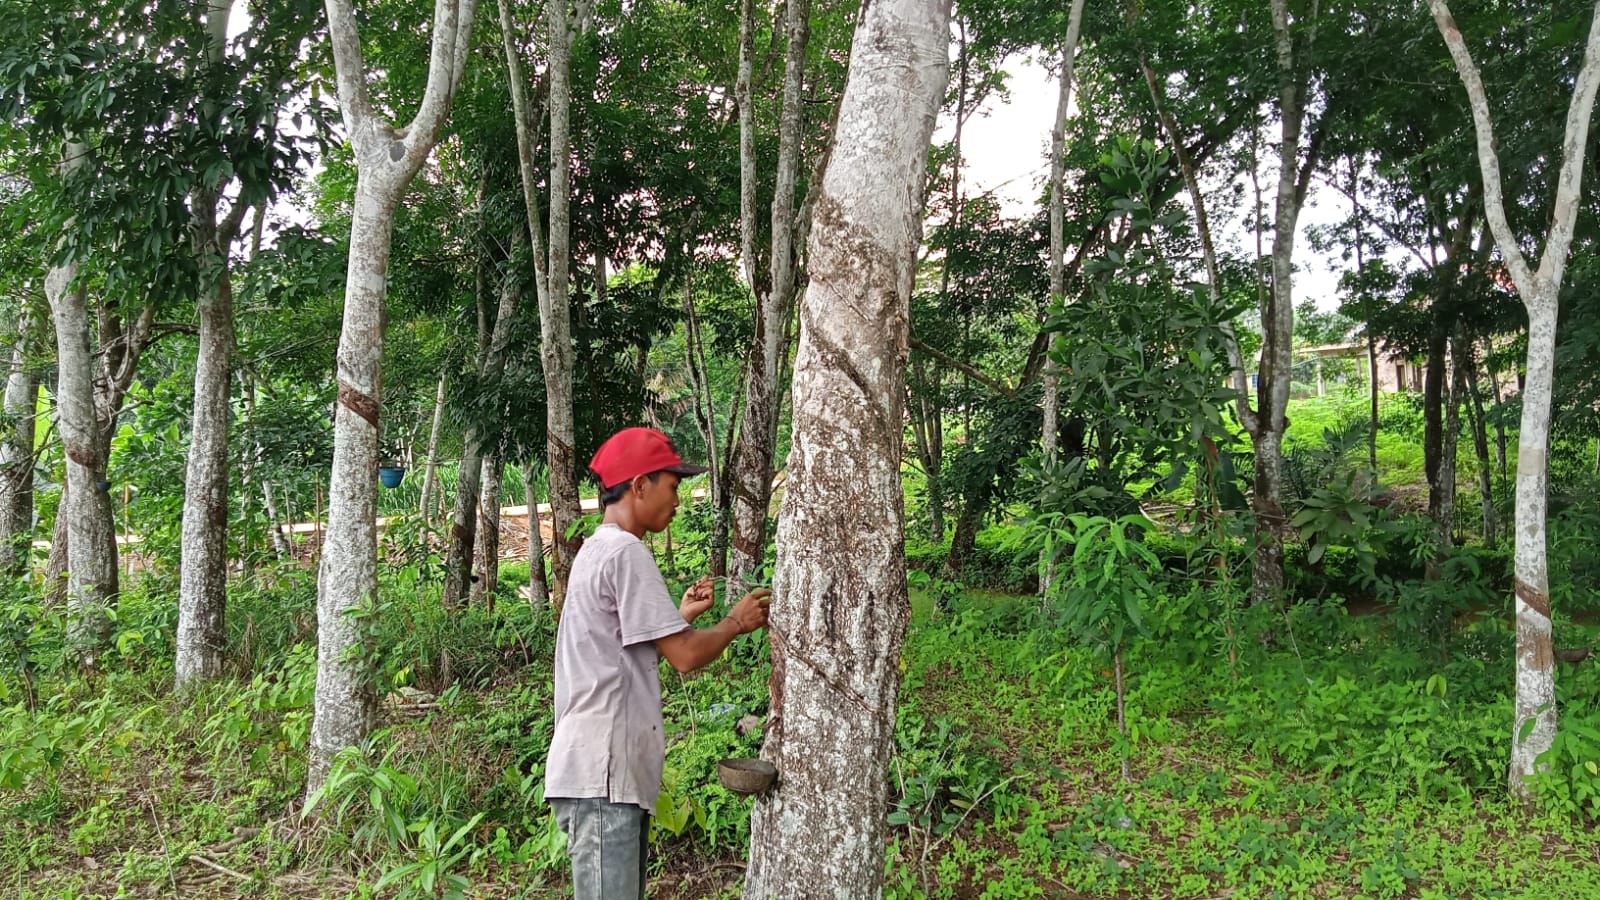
(391, 475)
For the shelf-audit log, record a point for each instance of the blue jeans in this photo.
(606, 842)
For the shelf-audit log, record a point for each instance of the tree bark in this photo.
(1434, 390)
(16, 452)
(1534, 725)
(1277, 322)
(387, 159)
(1058, 251)
(927, 431)
(203, 582)
(465, 533)
(753, 465)
(551, 264)
(487, 554)
(430, 472)
(842, 608)
(90, 531)
(538, 584)
(202, 639)
(1466, 360)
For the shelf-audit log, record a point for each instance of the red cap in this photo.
(632, 452)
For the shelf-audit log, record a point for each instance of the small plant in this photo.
(1100, 589)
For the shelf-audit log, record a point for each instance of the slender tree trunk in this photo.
(55, 565)
(927, 431)
(464, 522)
(554, 315)
(841, 615)
(387, 159)
(92, 571)
(202, 640)
(1448, 459)
(1534, 725)
(538, 584)
(1277, 324)
(16, 453)
(470, 502)
(722, 491)
(753, 465)
(1434, 389)
(1480, 441)
(1499, 428)
(430, 472)
(1051, 380)
(551, 273)
(705, 418)
(488, 543)
(974, 506)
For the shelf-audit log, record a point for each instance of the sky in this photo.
(1007, 146)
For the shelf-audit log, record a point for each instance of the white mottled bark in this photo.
(555, 314)
(90, 531)
(203, 576)
(1277, 325)
(1051, 379)
(840, 602)
(387, 158)
(551, 265)
(1540, 291)
(16, 452)
(486, 553)
(758, 424)
(430, 473)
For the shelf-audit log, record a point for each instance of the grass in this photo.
(1006, 773)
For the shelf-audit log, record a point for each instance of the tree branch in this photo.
(965, 368)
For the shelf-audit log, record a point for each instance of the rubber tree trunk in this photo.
(387, 159)
(1466, 361)
(1536, 686)
(551, 263)
(1534, 725)
(927, 431)
(90, 531)
(430, 473)
(1435, 388)
(1277, 322)
(841, 612)
(203, 581)
(758, 425)
(16, 453)
(1058, 250)
(462, 539)
(487, 557)
(538, 583)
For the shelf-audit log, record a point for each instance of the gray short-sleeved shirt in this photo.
(608, 738)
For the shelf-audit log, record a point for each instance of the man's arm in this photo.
(694, 647)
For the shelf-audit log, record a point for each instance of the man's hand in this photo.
(692, 648)
(697, 599)
(751, 611)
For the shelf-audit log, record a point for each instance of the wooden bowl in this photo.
(746, 776)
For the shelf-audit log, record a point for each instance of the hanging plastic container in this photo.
(391, 476)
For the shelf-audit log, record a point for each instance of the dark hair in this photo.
(614, 493)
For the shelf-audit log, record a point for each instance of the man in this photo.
(604, 769)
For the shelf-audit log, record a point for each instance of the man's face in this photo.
(658, 500)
